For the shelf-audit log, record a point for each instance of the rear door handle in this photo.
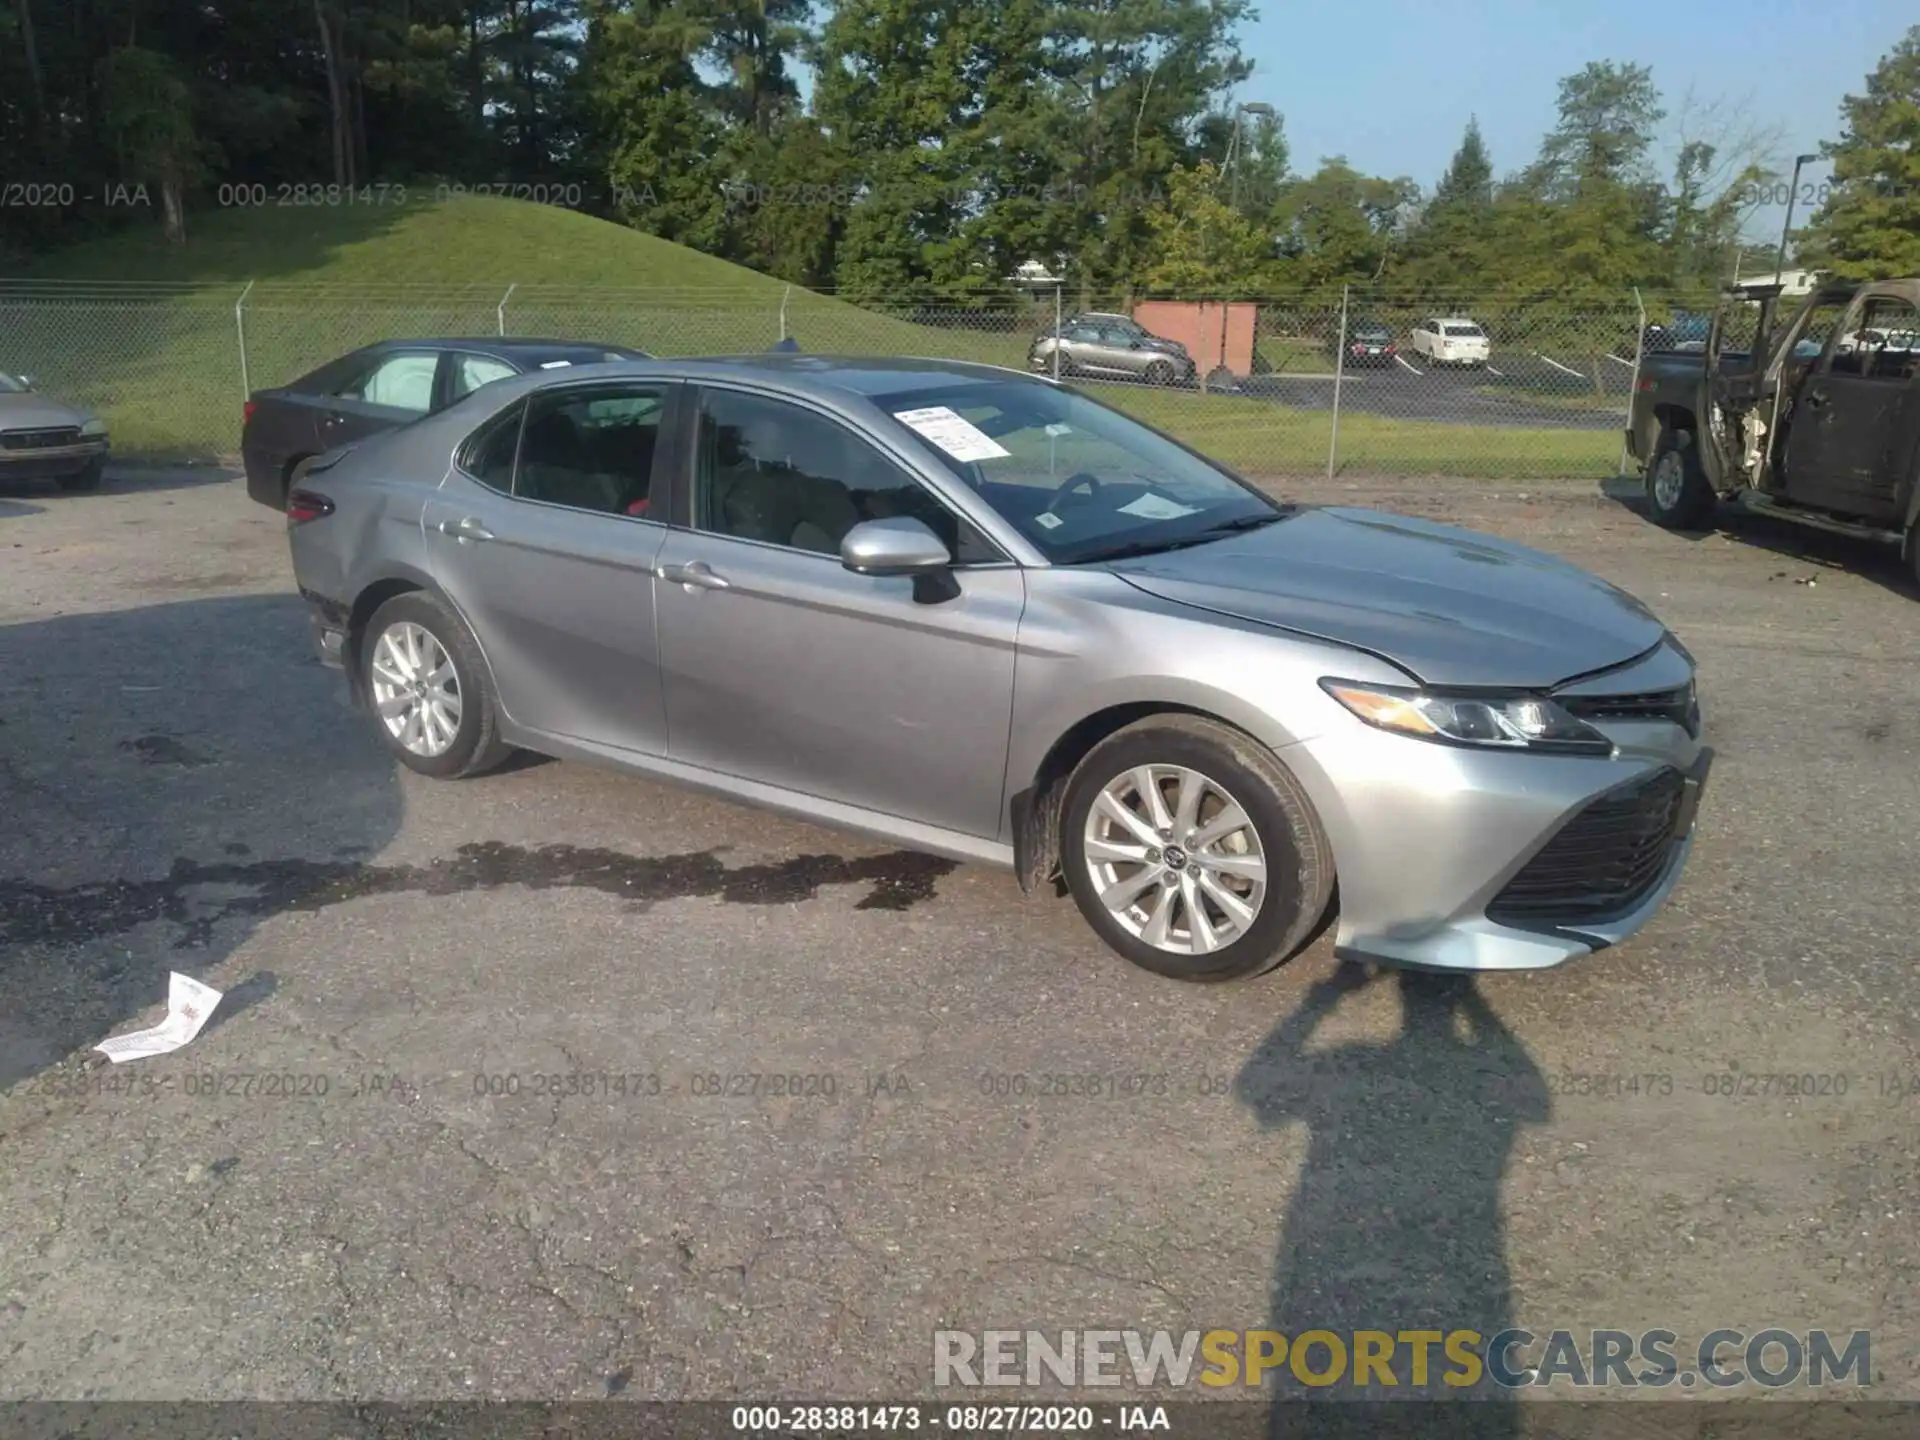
(694, 573)
(465, 528)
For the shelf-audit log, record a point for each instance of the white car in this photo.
(1450, 340)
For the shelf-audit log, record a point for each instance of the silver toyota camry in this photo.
(976, 613)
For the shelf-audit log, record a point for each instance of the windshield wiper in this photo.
(1199, 537)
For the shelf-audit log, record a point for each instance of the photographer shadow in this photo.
(1396, 1223)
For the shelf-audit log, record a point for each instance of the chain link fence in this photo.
(1355, 382)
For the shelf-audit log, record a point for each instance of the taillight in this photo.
(246, 410)
(305, 505)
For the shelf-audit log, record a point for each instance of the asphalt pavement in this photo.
(560, 1084)
(1411, 389)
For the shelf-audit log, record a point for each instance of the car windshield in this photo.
(1466, 330)
(1371, 332)
(1080, 481)
(11, 386)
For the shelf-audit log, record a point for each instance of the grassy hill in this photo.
(153, 339)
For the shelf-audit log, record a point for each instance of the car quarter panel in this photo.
(373, 533)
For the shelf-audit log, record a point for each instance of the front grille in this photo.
(1676, 705)
(1602, 862)
(39, 439)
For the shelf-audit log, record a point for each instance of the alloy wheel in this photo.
(416, 690)
(1175, 859)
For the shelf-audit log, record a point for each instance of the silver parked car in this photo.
(1112, 347)
(980, 614)
(42, 438)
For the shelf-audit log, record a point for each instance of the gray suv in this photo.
(1112, 347)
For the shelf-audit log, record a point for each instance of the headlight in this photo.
(93, 429)
(1510, 722)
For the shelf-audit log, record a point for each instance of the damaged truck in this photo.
(1816, 420)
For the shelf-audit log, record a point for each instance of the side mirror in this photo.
(898, 545)
(26, 380)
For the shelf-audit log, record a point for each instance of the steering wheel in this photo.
(1074, 482)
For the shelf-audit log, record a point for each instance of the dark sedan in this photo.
(1368, 343)
(382, 387)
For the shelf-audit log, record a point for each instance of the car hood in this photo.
(1165, 347)
(34, 411)
(1449, 606)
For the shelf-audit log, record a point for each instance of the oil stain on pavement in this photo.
(198, 895)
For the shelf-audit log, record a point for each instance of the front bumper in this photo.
(49, 463)
(1429, 839)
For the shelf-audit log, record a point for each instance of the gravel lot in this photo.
(182, 787)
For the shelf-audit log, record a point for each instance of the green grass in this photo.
(1292, 355)
(1259, 438)
(165, 369)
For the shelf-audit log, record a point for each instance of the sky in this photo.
(1390, 83)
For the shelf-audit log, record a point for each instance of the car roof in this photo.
(832, 378)
(1458, 320)
(521, 345)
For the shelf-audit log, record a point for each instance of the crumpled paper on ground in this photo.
(190, 1005)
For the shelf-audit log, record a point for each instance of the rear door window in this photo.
(402, 381)
(592, 449)
(490, 454)
(470, 372)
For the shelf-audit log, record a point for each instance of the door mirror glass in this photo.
(898, 545)
(26, 381)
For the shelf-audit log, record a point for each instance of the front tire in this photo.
(1160, 372)
(1192, 851)
(84, 480)
(1679, 496)
(429, 690)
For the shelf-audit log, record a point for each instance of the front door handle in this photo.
(694, 573)
(465, 528)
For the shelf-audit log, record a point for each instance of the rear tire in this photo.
(1679, 496)
(1260, 880)
(444, 725)
(84, 480)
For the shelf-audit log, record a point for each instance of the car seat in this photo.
(561, 470)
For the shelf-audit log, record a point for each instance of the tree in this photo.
(650, 118)
(149, 110)
(1608, 115)
(753, 42)
(1198, 244)
(1141, 88)
(1339, 226)
(1869, 227)
(1468, 183)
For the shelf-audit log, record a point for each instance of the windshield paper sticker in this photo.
(1157, 507)
(957, 436)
